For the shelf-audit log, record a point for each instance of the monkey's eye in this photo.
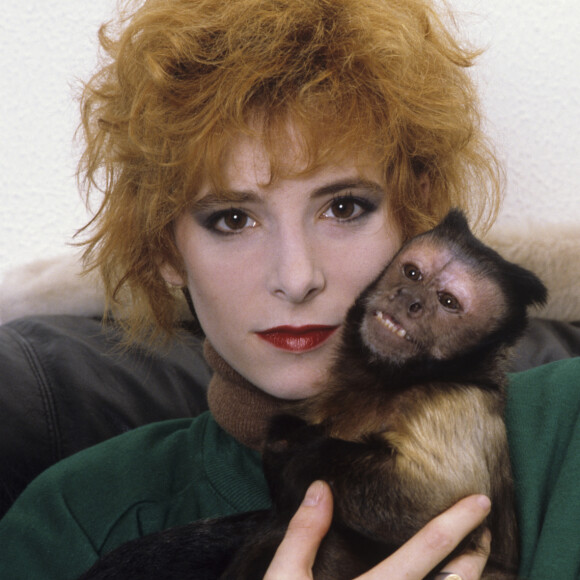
(412, 272)
(449, 301)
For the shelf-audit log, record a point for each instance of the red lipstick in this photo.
(297, 338)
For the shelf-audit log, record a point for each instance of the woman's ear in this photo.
(171, 275)
(424, 186)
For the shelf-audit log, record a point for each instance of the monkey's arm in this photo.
(438, 444)
(448, 441)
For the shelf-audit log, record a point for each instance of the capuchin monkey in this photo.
(410, 422)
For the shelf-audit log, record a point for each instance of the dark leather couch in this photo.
(66, 384)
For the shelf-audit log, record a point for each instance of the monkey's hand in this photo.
(413, 561)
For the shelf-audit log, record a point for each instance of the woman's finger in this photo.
(423, 552)
(295, 555)
(469, 566)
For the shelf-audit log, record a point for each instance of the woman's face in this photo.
(273, 273)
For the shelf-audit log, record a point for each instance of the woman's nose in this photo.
(297, 274)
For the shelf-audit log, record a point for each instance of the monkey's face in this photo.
(429, 303)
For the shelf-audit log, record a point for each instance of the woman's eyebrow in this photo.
(215, 199)
(348, 184)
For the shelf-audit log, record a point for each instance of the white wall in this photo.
(530, 85)
(45, 45)
(529, 82)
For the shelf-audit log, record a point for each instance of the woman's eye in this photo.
(412, 272)
(347, 208)
(231, 221)
(449, 301)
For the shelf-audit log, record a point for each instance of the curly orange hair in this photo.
(180, 78)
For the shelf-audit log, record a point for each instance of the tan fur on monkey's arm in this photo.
(446, 442)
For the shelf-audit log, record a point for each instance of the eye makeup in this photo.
(227, 221)
(227, 213)
(349, 208)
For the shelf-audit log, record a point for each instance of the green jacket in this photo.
(174, 472)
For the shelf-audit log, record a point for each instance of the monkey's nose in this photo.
(415, 309)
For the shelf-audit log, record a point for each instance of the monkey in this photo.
(409, 421)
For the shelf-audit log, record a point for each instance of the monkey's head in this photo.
(444, 294)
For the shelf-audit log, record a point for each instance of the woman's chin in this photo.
(291, 387)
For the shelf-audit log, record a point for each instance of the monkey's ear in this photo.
(529, 288)
(288, 431)
(284, 427)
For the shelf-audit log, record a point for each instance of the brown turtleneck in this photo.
(240, 408)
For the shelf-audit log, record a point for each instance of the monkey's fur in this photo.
(410, 422)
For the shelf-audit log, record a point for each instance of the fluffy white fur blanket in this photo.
(56, 286)
(552, 251)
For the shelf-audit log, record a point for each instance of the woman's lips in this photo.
(297, 338)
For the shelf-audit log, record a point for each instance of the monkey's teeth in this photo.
(389, 324)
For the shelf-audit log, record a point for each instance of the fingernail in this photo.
(314, 494)
(484, 502)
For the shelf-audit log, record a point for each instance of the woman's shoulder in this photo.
(155, 465)
(148, 479)
(543, 421)
(552, 385)
(543, 414)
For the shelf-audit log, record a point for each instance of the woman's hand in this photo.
(295, 556)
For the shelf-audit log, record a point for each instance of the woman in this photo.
(270, 156)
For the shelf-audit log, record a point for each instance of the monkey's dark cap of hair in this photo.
(453, 226)
(455, 219)
(454, 229)
(522, 285)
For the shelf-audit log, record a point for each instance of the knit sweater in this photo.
(174, 472)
